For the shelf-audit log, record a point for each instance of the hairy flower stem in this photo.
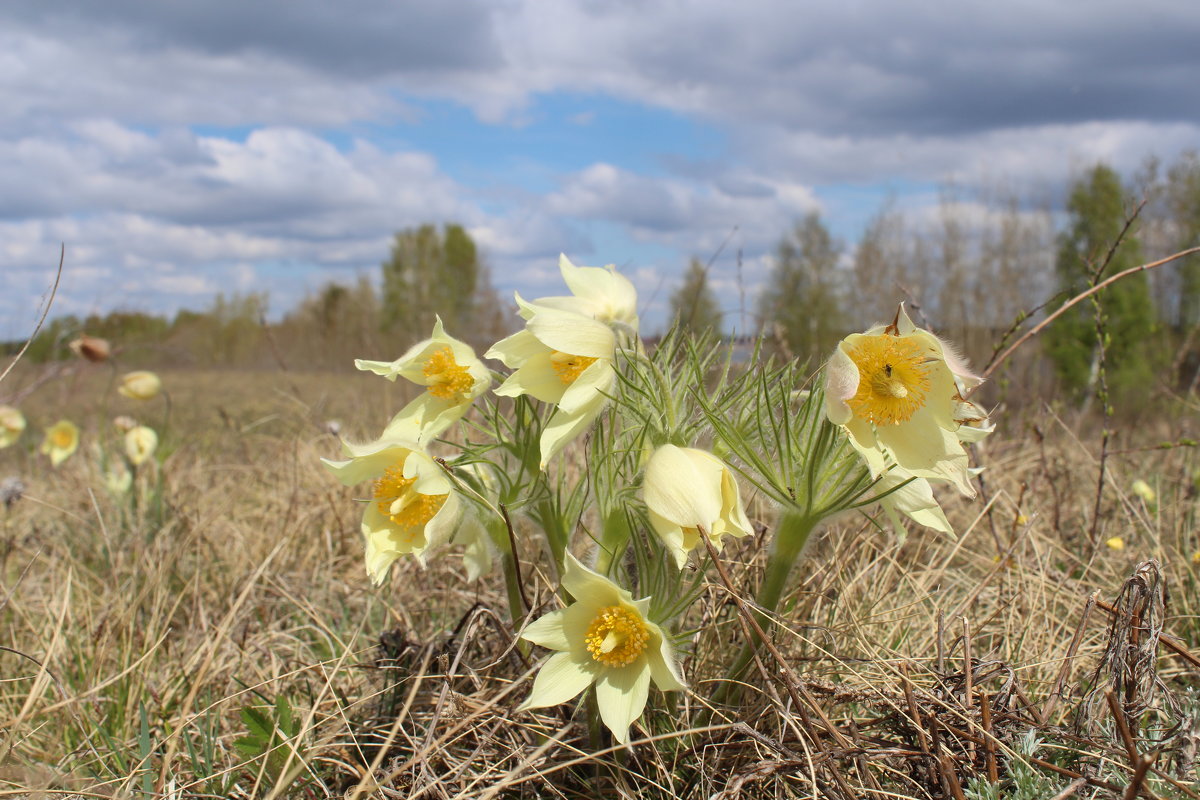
(613, 539)
(790, 539)
(595, 721)
(500, 533)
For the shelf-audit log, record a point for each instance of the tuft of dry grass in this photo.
(220, 637)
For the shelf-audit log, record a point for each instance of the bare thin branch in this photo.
(62, 254)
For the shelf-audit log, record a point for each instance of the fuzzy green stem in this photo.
(790, 539)
(614, 537)
(556, 535)
(667, 395)
(595, 723)
(498, 532)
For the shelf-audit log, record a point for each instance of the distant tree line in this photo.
(979, 264)
(431, 271)
(972, 268)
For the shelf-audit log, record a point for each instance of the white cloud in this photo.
(1027, 156)
(107, 138)
(693, 215)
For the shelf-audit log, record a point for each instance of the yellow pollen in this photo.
(447, 379)
(617, 636)
(892, 378)
(61, 439)
(416, 509)
(569, 367)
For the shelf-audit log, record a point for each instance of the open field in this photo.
(213, 632)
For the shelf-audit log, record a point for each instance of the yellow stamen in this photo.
(569, 367)
(617, 636)
(892, 378)
(416, 509)
(447, 379)
(61, 439)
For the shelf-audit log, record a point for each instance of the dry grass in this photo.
(142, 645)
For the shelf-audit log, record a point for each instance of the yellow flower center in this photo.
(892, 379)
(447, 379)
(61, 438)
(416, 509)
(569, 367)
(617, 636)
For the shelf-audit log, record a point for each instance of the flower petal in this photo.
(903, 324)
(590, 587)
(516, 349)
(386, 369)
(572, 333)
(612, 296)
(442, 525)
(733, 513)
(684, 488)
(926, 449)
(841, 383)
(477, 547)
(535, 377)
(664, 666)
(563, 428)
(672, 536)
(593, 385)
(561, 678)
(547, 631)
(915, 500)
(367, 467)
(621, 695)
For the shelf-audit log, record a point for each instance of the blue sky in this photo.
(180, 149)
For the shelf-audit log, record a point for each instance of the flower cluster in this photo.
(413, 505)
(649, 487)
(137, 445)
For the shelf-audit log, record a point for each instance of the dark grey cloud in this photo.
(858, 68)
(869, 67)
(352, 39)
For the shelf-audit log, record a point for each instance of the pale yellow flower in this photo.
(899, 389)
(124, 423)
(601, 293)
(453, 378)
(564, 358)
(140, 385)
(1143, 490)
(12, 425)
(604, 637)
(140, 444)
(117, 479)
(688, 490)
(62, 439)
(413, 506)
(1115, 543)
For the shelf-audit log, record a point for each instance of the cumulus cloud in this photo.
(135, 209)
(181, 147)
(688, 214)
(1018, 155)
